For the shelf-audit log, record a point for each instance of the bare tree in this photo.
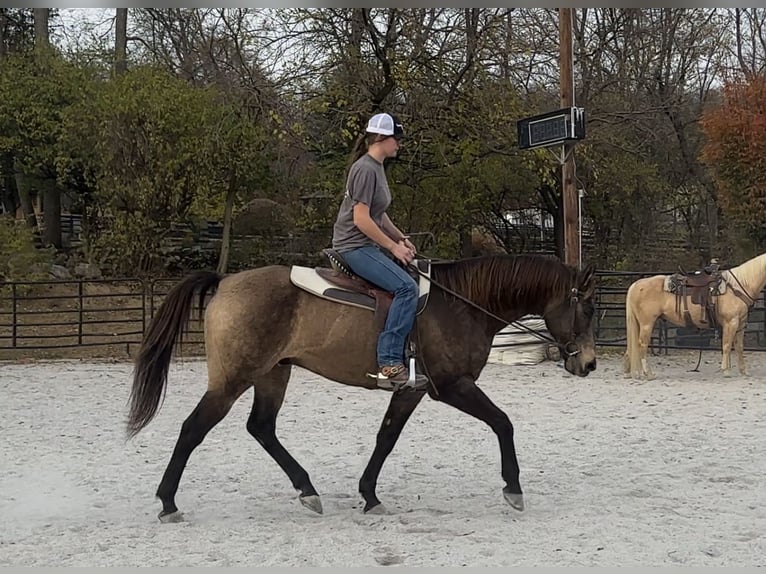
(3, 26)
(121, 41)
(42, 31)
(51, 195)
(750, 40)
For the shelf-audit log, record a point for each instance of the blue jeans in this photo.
(372, 264)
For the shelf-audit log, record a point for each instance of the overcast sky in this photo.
(79, 25)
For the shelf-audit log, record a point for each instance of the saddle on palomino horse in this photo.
(338, 283)
(702, 287)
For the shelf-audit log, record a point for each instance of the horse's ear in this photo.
(586, 281)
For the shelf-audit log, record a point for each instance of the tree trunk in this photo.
(3, 24)
(121, 41)
(51, 213)
(51, 195)
(505, 56)
(8, 192)
(8, 196)
(228, 211)
(25, 198)
(42, 34)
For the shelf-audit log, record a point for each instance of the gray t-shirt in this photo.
(366, 184)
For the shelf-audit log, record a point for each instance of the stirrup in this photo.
(415, 381)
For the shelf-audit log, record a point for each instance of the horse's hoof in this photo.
(312, 502)
(170, 517)
(515, 500)
(378, 509)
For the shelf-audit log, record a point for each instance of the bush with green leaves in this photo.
(19, 258)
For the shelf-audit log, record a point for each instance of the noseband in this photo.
(571, 348)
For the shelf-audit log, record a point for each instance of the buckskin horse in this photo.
(262, 321)
(703, 300)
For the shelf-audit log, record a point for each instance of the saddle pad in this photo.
(309, 280)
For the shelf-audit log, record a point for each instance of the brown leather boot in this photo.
(396, 377)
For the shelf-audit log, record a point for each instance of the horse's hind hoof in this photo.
(378, 509)
(170, 517)
(515, 500)
(312, 502)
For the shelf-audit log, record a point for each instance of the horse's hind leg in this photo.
(739, 346)
(399, 410)
(262, 423)
(211, 409)
(644, 338)
(464, 395)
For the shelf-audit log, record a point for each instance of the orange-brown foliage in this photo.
(735, 149)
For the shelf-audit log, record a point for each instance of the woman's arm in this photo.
(392, 230)
(367, 226)
(395, 234)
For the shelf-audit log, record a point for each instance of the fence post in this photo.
(13, 314)
(79, 312)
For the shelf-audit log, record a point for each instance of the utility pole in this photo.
(568, 185)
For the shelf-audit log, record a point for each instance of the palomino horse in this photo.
(259, 323)
(649, 299)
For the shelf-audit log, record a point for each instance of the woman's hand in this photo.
(409, 245)
(403, 253)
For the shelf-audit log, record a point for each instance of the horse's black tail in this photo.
(151, 368)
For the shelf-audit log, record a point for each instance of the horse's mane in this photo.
(496, 281)
(752, 272)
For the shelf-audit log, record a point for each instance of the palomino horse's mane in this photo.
(751, 273)
(497, 280)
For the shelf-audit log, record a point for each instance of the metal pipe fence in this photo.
(610, 319)
(67, 314)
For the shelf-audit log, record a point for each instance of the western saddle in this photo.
(340, 274)
(702, 287)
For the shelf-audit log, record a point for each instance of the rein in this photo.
(546, 338)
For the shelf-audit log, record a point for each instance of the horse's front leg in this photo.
(465, 396)
(400, 408)
(727, 340)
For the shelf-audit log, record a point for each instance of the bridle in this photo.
(567, 350)
(574, 299)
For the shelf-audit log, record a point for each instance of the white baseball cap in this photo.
(386, 125)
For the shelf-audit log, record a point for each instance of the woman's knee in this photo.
(408, 288)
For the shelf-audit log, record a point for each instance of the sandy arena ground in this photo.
(615, 472)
